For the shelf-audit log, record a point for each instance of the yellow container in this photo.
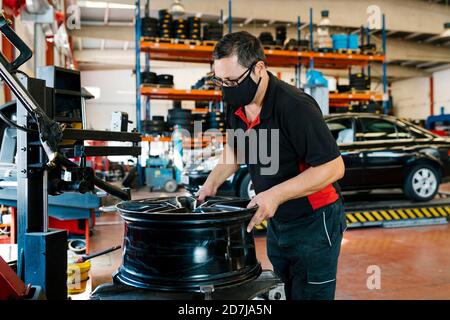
(77, 276)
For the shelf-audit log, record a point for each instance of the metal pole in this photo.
(230, 17)
(311, 38)
(368, 42)
(138, 65)
(137, 26)
(383, 32)
(298, 66)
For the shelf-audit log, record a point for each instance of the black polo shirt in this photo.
(303, 140)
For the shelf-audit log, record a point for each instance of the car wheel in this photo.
(246, 189)
(422, 183)
(170, 186)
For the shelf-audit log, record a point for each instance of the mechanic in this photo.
(301, 201)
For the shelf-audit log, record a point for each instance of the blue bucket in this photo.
(353, 41)
(339, 41)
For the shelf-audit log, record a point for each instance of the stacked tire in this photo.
(213, 31)
(202, 118)
(216, 120)
(179, 29)
(165, 24)
(359, 81)
(156, 126)
(181, 118)
(280, 35)
(266, 38)
(148, 77)
(165, 80)
(149, 27)
(194, 28)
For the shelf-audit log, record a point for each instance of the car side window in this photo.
(371, 129)
(342, 130)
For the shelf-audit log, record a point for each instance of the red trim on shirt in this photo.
(321, 198)
(241, 114)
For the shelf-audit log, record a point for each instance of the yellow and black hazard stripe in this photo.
(377, 216)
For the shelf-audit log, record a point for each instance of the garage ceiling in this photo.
(110, 25)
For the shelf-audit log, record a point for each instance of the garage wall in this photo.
(442, 91)
(411, 98)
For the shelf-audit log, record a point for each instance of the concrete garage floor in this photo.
(414, 262)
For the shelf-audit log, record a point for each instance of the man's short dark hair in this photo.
(245, 46)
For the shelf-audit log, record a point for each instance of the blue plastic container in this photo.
(353, 41)
(339, 41)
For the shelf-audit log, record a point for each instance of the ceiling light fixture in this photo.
(177, 9)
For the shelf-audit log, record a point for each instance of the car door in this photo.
(343, 130)
(384, 150)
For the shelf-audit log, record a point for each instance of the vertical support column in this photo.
(298, 67)
(8, 52)
(230, 16)
(50, 51)
(137, 26)
(383, 33)
(137, 33)
(369, 71)
(431, 95)
(147, 66)
(311, 37)
(30, 191)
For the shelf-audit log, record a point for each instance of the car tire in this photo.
(170, 186)
(421, 183)
(246, 190)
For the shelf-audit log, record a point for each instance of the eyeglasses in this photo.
(230, 82)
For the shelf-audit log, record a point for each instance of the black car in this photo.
(379, 152)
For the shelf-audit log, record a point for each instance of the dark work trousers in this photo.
(304, 252)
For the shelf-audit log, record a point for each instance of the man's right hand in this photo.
(206, 191)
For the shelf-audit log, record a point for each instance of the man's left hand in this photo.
(267, 206)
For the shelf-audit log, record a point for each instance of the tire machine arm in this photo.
(42, 252)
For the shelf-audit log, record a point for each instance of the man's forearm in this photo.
(226, 167)
(220, 173)
(309, 181)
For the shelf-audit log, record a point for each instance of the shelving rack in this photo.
(183, 52)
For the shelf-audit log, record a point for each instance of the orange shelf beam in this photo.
(180, 94)
(276, 58)
(156, 139)
(371, 96)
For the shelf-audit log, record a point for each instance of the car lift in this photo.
(43, 168)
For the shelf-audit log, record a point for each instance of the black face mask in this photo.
(242, 94)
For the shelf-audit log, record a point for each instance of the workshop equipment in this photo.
(439, 124)
(317, 86)
(159, 174)
(43, 166)
(119, 121)
(177, 243)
